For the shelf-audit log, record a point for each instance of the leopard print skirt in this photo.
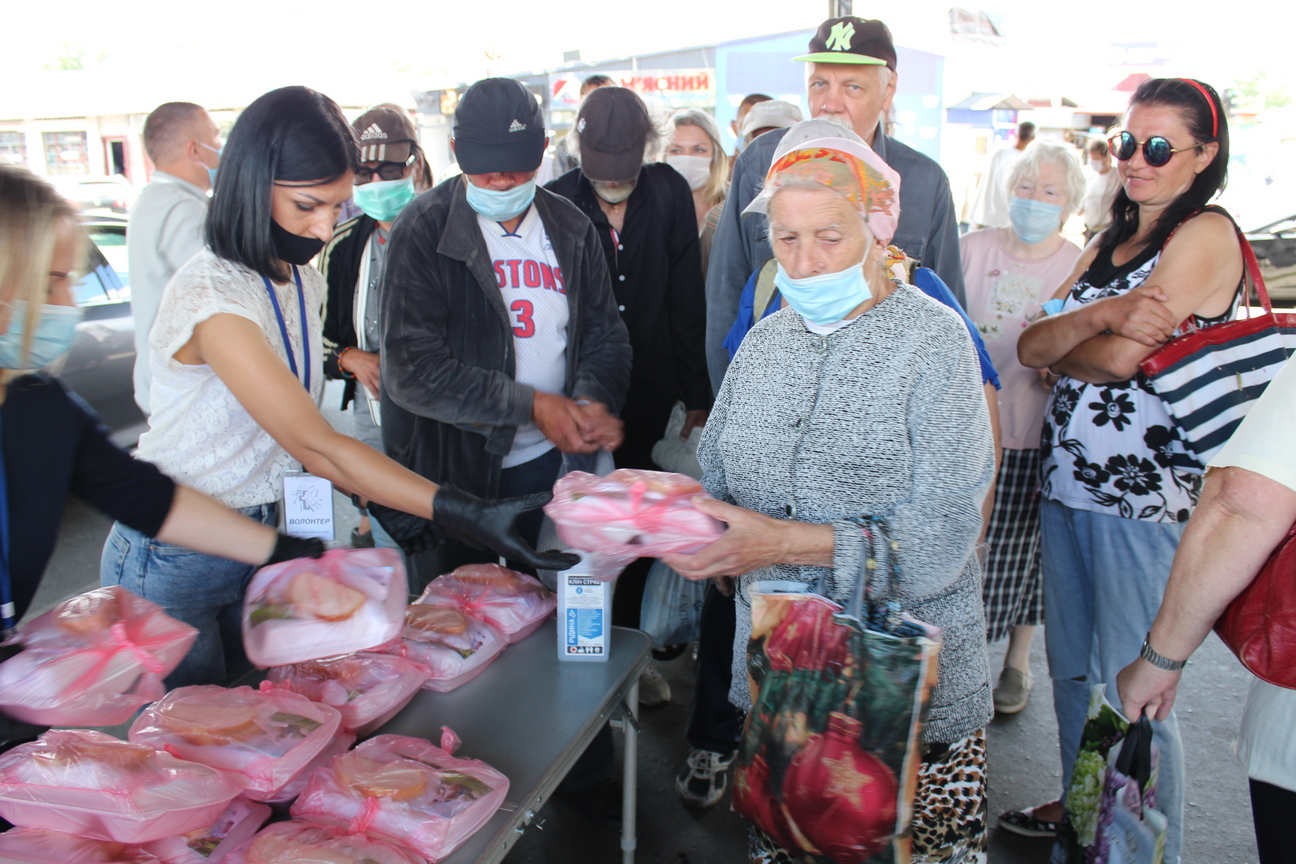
(949, 824)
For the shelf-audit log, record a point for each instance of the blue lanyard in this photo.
(283, 326)
(7, 618)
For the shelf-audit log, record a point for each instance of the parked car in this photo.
(1275, 249)
(98, 194)
(100, 366)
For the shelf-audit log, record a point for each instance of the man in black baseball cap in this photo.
(851, 81)
(502, 347)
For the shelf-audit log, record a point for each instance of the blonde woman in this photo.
(694, 150)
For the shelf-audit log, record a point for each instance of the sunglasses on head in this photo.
(385, 171)
(1156, 150)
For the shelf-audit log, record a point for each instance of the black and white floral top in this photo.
(1113, 448)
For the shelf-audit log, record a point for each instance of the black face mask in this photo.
(294, 248)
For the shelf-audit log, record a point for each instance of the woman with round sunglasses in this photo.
(1116, 490)
(236, 366)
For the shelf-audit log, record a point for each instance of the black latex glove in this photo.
(412, 534)
(489, 523)
(287, 548)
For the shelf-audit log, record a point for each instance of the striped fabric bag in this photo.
(1210, 378)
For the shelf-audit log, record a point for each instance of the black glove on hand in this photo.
(287, 548)
(489, 523)
(413, 534)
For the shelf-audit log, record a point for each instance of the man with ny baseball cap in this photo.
(851, 80)
(502, 348)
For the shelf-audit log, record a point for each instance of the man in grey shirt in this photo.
(166, 223)
(852, 81)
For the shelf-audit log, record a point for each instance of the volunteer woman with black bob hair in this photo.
(52, 445)
(237, 365)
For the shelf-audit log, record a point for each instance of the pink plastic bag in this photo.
(93, 660)
(306, 843)
(367, 689)
(231, 830)
(308, 608)
(453, 647)
(404, 790)
(511, 602)
(630, 514)
(100, 787)
(340, 744)
(260, 740)
(33, 846)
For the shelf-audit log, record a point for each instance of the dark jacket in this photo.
(450, 406)
(656, 270)
(339, 261)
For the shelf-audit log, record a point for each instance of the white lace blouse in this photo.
(198, 433)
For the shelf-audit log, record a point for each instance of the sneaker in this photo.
(653, 688)
(701, 783)
(670, 652)
(1023, 822)
(1012, 692)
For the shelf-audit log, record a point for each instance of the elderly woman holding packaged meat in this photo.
(863, 398)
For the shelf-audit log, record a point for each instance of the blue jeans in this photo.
(201, 590)
(1103, 581)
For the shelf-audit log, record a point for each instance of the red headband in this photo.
(1210, 102)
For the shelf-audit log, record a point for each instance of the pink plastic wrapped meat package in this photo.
(340, 744)
(231, 830)
(306, 843)
(102, 788)
(308, 608)
(93, 660)
(511, 602)
(629, 514)
(405, 790)
(259, 739)
(34, 846)
(453, 647)
(367, 689)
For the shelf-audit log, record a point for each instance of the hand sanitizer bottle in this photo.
(584, 613)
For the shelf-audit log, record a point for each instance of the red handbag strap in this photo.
(1251, 266)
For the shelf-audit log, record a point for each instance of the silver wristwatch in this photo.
(1157, 660)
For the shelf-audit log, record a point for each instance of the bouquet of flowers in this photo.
(407, 791)
(305, 609)
(261, 740)
(102, 788)
(511, 602)
(93, 660)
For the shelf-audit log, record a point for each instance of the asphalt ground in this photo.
(1023, 761)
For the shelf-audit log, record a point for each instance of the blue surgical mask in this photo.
(55, 332)
(500, 206)
(211, 172)
(384, 199)
(1034, 221)
(827, 298)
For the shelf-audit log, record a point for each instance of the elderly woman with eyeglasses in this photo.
(862, 398)
(1114, 495)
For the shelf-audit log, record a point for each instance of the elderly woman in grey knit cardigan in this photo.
(862, 398)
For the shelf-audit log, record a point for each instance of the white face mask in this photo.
(696, 169)
(612, 192)
(1096, 165)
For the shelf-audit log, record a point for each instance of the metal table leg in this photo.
(630, 728)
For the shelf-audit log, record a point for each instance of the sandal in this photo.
(1023, 822)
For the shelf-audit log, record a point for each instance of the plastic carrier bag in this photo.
(630, 514)
(454, 648)
(34, 846)
(308, 608)
(407, 791)
(306, 843)
(93, 660)
(259, 739)
(671, 611)
(102, 788)
(513, 603)
(367, 688)
(231, 830)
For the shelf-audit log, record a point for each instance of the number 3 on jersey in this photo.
(523, 318)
